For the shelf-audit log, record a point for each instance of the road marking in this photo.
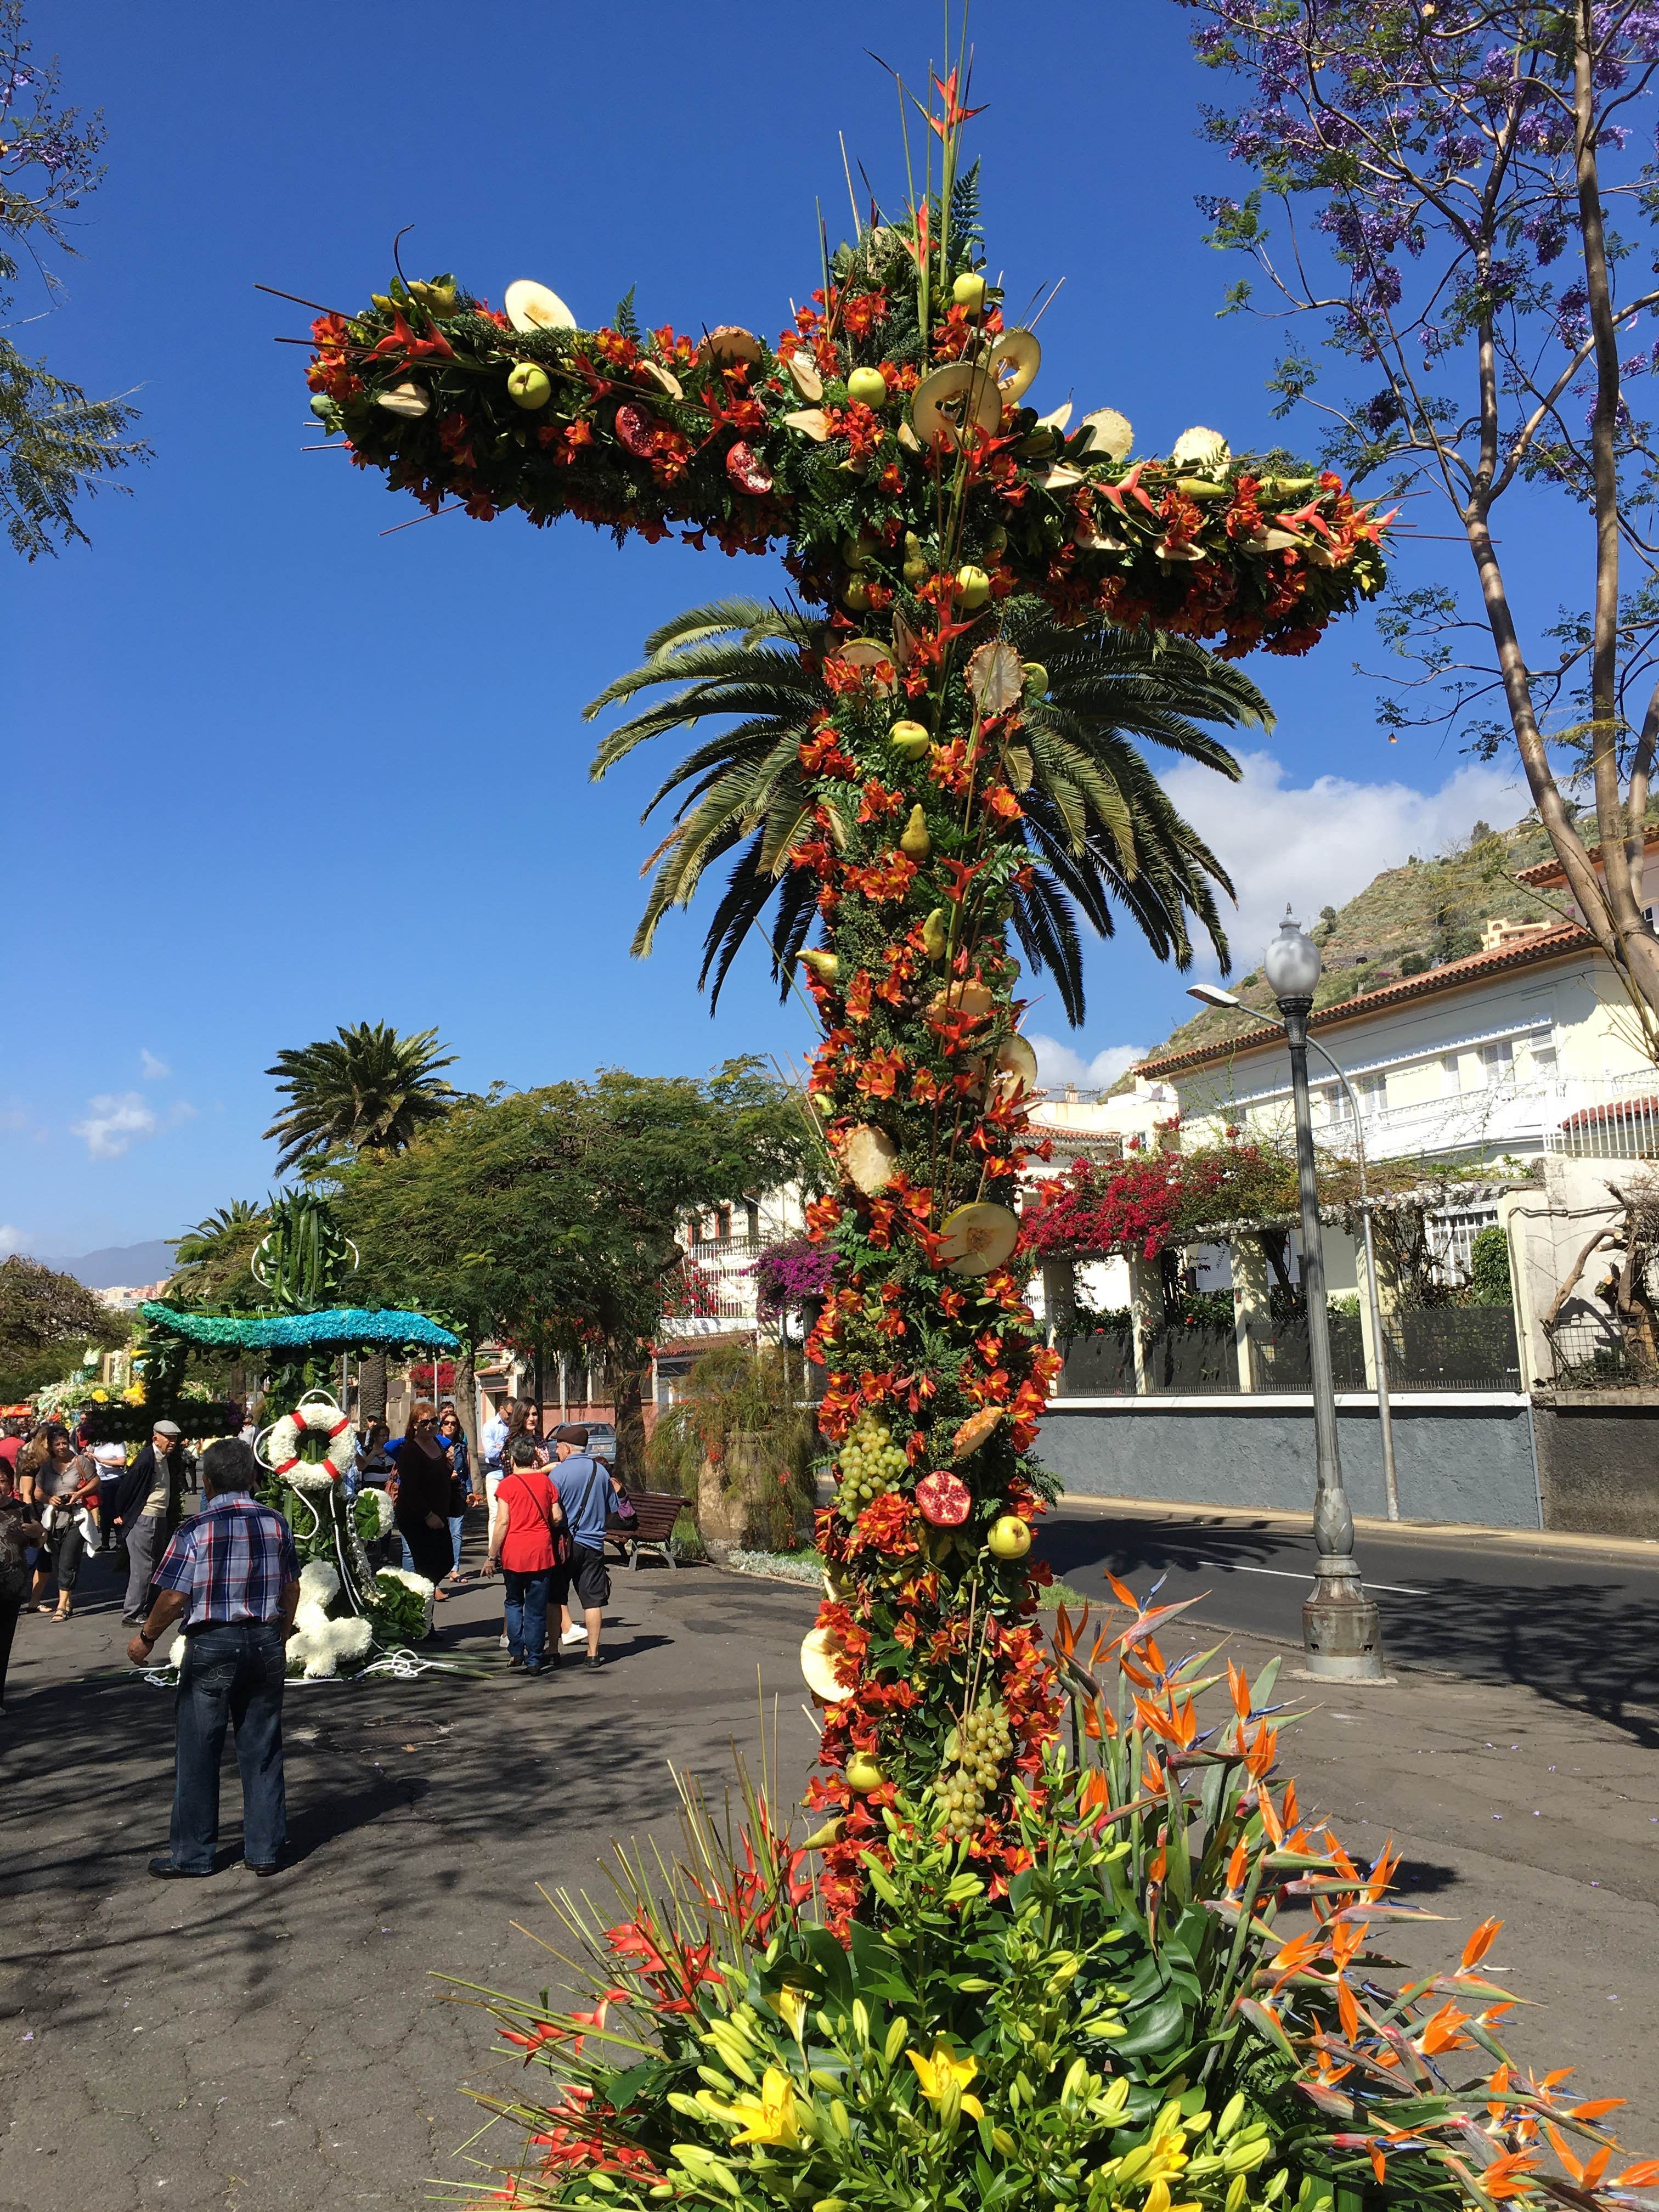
(1395, 1589)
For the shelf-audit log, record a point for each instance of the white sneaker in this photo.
(574, 1635)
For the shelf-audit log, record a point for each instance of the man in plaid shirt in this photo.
(232, 1578)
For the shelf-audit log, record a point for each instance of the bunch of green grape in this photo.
(980, 1747)
(871, 1463)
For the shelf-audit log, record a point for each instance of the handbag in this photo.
(626, 1512)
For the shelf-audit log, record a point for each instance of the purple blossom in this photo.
(787, 1274)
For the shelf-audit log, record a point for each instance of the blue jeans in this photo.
(457, 1522)
(232, 1672)
(526, 1615)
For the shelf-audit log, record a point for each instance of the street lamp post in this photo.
(1341, 1628)
(1211, 995)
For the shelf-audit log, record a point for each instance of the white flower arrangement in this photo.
(418, 1583)
(319, 1415)
(386, 1512)
(319, 1644)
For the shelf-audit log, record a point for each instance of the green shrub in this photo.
(1489, 1268)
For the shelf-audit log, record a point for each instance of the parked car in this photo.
(602, 1441)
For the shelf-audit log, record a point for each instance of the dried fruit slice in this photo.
(804, 374)
(404, 399)
(1019, 354)
(1109, 435)
(821, 1656)
(977, 1238)
(974, 1431)
(664, 379)
(1017, 1060)
(970, 999)
(945, 403)
(811, 421)
(747, 470)
(944, 1499)
(730, 343)
(530, 307)
(1204, 452)
(870, 1155)
(869, 655)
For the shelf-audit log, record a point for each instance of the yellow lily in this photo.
(771, 2118)
(791, 2004)
(943, 2072)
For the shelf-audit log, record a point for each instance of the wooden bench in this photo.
(658, 1511)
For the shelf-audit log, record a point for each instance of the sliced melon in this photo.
(1018, 355)
(531, 306)
(870, 1155)
(975, 1239)
(404, 399)
(1109, 435)
(975, 1430)
(820, 1658)
(945, 403)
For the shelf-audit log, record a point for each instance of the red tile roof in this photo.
(1523, 952)
(1551, 871)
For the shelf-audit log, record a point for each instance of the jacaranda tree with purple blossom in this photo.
(1448, 172)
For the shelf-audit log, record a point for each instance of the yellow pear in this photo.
(917, 844)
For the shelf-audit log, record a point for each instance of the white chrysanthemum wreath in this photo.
(319, 1415)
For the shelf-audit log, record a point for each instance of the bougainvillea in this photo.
(885, 441)
(789, 1275)
(1145, 1205)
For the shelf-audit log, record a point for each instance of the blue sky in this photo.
(271, 770)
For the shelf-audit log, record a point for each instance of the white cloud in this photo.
(11, 1240)
(1318, 844)
(1058, 1064)
(151, 1068)
(115, 1121)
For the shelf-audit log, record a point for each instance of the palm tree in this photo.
(210, 1261)
(365, 1089)
(1100, 830)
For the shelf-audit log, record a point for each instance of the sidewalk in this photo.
(282, 2046)
(1643, 1551)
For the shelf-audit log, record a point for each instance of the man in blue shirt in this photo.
(586, 1490)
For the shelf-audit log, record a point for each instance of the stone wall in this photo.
(1598, 1461)
(1455, 1461)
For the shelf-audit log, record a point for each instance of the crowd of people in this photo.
(64, 1499)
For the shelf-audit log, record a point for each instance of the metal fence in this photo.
(1591, 1354)
(1618, 1129)
(1429, 1348)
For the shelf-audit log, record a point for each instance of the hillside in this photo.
(1405, 921)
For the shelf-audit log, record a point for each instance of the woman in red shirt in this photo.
(526, 1540)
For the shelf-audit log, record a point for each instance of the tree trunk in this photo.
(371, 1389)
(466, 1399)
(631, 1382)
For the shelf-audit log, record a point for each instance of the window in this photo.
(1373, 1093)
(1545, 1066)
(1498, 1062)
(1451, 1075)
(1337, 1111)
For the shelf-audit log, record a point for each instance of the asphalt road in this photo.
(1574, 1625)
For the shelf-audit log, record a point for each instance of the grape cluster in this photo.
(871, 1463)
(981, 1747)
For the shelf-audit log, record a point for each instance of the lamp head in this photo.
(1292, 963)
(1211, 994)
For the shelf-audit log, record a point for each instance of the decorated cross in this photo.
(884, 442)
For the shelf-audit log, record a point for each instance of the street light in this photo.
(1341, 1628)
(1211, 994)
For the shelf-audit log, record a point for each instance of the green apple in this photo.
(911, 739)
(1037, 680)
(868, 386)
(528, 386)
(969, 291)
(972, 587)
(1010, 1537)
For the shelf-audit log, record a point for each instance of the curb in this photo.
(1642, 1549)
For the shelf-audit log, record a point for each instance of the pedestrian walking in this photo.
(587, 1491)
(20, 1533)
(111, 1464)
(68, 1483)
(452, 1437)
(147, 1511)
(424, 1478)
(529, 1542)
(232, 1577)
